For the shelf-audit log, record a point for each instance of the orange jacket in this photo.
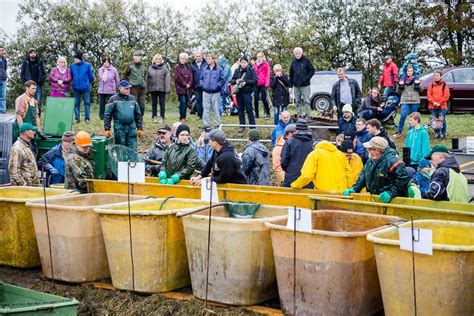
(438, 92)
(276, 159)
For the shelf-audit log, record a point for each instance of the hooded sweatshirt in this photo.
(418, 141)
(293, 155)
(255, 164)
(225, 166)
(327, 168)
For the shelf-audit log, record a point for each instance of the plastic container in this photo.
(77, 244)
(160, 261)
(18, 247)
(6, 130)
(241, 271)
(444, 281)
(21, 301)
(451, 211)
(336, 272)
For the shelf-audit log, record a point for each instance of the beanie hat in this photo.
(347, 147)
(78, 55)
(349, 135)
(347, 108)
(68, 136)
(424, 163)
(217, 135)
(182, 128)
(254, 135)
(244, 58)
(301, 126)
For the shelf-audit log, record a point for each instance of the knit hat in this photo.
(290, 128)
(27, 127)
(254, 135)
(424, 163)
(78, 55)
(349, 135)
(68, 136)
(437, 149)
(182, 128)
(347, 147)
(244, 58)
(217, 135)
(347, 108)
(301, 126)
(31, 50)
(138, 53)
(376, 142)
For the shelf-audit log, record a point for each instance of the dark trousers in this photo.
(103, 100)
(244, 102)
(155, 95)
(139, 93)
(199, 108)
(183, 105)
(261, 94)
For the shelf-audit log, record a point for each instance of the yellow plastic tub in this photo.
(444, 281)
(242, 271)
(159, 251)
(77, 244)
(18, 246)
(336, 272)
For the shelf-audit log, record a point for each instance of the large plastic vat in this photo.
(444, 281)
(16, 300)
(241, 270)
(160, 262)
(336, 272)
(18, 247)
(77, 244)
(460, 212)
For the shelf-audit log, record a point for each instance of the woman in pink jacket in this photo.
(60, 79)
(262, 68)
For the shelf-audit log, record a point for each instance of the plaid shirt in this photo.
(22, 164)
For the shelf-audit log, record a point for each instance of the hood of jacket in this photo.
(450, 163)
(325, 145)
(225, 147)
(222, 61)
(305, 136)
(259, 147)
(280, 141)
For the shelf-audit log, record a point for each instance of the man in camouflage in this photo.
(22, 163)
(124, 110)
(79, 165)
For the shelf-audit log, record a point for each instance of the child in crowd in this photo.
(411, 59)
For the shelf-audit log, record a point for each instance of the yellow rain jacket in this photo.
(356, 165)
(327, 167)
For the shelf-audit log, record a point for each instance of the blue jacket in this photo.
(82, 76)
(279, 130)
(347, 126)
(212, 80)
(418, 141)
(197, 73)
(422, 181)
(3, 68)
(204, 153)
(53, 158)
(363, 136)
(225, 67)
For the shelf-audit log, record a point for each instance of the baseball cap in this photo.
(27, 127)
(376, 142)
(437, 149)
(124, 84)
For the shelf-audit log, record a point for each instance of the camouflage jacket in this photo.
(22, 164)
(79, 167)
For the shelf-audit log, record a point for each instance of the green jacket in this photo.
(387, 174)
(135, 74)
(124, 110)
(180, 159)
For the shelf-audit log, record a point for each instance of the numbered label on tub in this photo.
(303, 219)
(134, 171)
(208, 186)
(422, 240)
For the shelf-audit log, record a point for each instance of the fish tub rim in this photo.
(25, 200)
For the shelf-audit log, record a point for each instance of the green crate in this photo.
(58, 116)
(46, 144)
(21, 301)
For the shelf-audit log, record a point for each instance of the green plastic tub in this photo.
(20, 301)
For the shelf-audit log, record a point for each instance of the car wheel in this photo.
(321, 103)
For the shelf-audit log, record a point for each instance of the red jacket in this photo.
(389, 75)
(263, 73)
(439, 93)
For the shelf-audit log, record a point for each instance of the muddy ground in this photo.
(95, 301)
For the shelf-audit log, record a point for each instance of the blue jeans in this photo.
(3, 96)
(183, 105)
(86, 96)
(199, 107)
(366, 114)
(39, 91)
(406, 110)
(437, 113)
(386, 92)
(244, 101)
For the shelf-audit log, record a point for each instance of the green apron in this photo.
(30, 117)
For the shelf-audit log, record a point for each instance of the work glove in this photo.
(411, 194)
(175, 178)
(163, 181)
(170, 181)
(51, 169)
(348, 192)
(385, 197)
(107, 134)
(140, 133)
(162, 175)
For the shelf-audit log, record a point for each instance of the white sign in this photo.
(422, 240)
(134, 171)
(303, 219)
(206, 185)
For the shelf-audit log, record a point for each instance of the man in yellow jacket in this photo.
(355, 162)
(327, 167)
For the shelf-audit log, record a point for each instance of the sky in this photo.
(9, 10)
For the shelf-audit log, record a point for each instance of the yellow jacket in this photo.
(356, 165)
(327, 167)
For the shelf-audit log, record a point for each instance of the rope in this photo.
(208, 241)
(294, 261)
(413, 264)
(130, 221)
(47, 223)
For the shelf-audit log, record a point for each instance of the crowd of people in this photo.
(363, 158)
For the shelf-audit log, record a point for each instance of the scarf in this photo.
(62, 70)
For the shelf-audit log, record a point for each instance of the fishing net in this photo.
(122, 153)
(241, 209)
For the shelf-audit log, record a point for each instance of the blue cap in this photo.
(124, 84)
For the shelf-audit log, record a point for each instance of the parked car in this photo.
(460, 81)
(321, 88)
